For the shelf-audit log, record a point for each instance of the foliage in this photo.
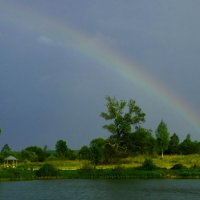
(71, 155)
(173, 147)
(110, 153)
(61, 149)
(85, 153)
(189, 147)
(6, 151)
(16, 174)
(162, 137)
(87, 166)
(130, 167)
(124, 117)
(33, 154)
(178, 166)
(47, 170)
(142, 142)
(26, 155)
(97, 147)
(148, 164)
(1, 158)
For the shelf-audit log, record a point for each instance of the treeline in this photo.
(39, 154)
(127, 138)
(100, 150)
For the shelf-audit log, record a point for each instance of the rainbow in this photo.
(69, 37)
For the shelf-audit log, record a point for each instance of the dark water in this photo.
(101, 189)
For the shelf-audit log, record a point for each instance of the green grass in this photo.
(125, 168)
(186, 160)
(131, 162)
(168, 161)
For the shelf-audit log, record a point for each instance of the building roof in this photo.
(10, 158)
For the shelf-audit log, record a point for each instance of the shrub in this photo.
(47, 170)
(178, 166)
(148, 165)
(87, 166)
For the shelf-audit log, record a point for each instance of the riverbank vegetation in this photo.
(140, 168)
(130, 151)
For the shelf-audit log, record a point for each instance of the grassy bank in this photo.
(118, 173)
(124, 169)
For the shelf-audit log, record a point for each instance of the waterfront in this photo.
(101, 189)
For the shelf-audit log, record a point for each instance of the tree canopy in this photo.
(61, 149)
(124, 117)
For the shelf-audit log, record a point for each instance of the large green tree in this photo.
(162, 137)
(124, 117)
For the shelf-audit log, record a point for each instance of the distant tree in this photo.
(85, 153)
(35, 153)
(97, 147)
(173, 147)
(6, 150)
(26, 155)
(162, 137)
(46, 151)
(124, 117)
(61, 149)
(189, 147)
(72, 155)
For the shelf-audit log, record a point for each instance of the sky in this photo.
(60, 59)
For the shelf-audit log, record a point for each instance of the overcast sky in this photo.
(51, 88)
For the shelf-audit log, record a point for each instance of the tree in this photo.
(6, 150)
(142, 142)
(173, 147)
(189, 147)
(34, 153)
(85, 153)
(61, 149)
(97, 147)
(124, 117)
(27, 155)
(162, 137)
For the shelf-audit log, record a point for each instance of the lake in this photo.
(101, 189)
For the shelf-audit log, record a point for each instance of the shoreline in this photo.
(109, 174)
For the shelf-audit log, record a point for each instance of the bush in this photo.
(148, 165)
(47, 170)
(178, 166)
(87, 166)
